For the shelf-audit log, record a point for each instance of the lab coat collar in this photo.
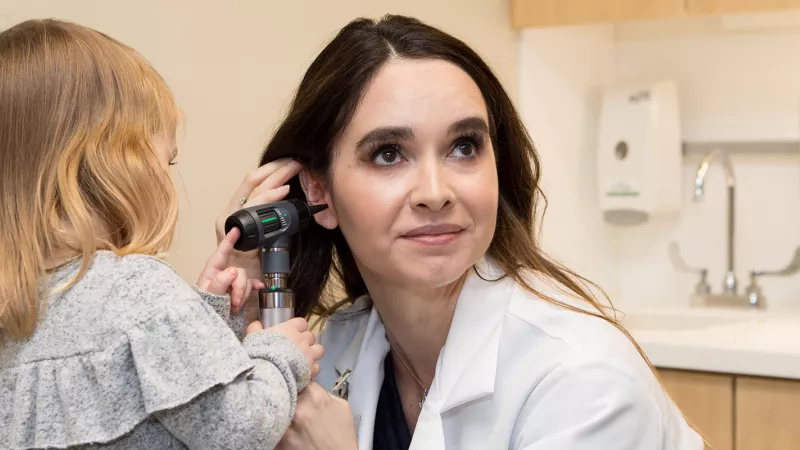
(468, 362)
(364, 356)
(351, 353)
(467, 365)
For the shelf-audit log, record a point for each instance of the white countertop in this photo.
(719, 340)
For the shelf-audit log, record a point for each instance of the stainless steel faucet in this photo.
(753, 295)
(729, 285)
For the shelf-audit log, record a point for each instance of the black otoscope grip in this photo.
(261, 225)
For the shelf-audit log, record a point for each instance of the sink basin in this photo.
(667, 322)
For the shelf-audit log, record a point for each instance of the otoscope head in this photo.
(262, 225)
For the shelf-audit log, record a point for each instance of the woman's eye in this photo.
(464, 149)
(386, 156)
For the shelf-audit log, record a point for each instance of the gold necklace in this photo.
(408, 368)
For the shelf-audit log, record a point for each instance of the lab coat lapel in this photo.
(467, 365)
(469, 357)
(364, 356)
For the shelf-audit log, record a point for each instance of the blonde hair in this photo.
(79, 171)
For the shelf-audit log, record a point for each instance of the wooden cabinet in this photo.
(707, 402)
(767, 413)
(709, 7)
(738, 412)
(542, 13)
(546, 13)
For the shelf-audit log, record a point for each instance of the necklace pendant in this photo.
(422, 400)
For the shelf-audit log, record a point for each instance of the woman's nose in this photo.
(431, 189)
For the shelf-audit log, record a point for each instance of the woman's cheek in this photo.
(360, 204)
(482, 199)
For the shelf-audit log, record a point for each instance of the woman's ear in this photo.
(317, 194)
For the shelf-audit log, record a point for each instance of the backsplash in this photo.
(733, 86)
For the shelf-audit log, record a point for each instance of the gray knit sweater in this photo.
(133, 358)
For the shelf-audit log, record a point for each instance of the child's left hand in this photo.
(219, 279)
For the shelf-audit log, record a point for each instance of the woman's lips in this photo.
(434, 234)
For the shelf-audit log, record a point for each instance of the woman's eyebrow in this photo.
(469, 124)
(389, 134)
(384, 134)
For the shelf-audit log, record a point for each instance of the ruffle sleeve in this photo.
(166, 361)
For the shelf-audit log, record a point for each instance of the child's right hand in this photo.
(219, 280)
(297, 331)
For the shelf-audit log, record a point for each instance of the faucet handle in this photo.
(753, 290)
(792, 268)
(702, 286)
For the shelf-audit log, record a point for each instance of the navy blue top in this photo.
(391, 431)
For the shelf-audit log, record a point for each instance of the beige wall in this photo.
(234, 65)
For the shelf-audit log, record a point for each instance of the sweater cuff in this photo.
(222, 305)
(282, 352)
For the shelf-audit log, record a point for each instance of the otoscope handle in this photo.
(276, 306)
(275, 316)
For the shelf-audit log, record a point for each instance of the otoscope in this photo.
(270, 227)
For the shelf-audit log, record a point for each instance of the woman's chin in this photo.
(433, 272)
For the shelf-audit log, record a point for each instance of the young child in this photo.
(102, 344)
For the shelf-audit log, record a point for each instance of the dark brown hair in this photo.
(324, 104)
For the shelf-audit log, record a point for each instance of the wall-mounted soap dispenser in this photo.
(639, 152)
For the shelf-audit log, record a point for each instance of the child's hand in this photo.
(297, 331)
(219, 279)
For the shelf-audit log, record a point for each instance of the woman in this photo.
(102, 344)
(458, 331)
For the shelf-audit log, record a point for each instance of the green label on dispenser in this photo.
(622, 194)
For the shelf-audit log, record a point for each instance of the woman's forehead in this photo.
(421, 94)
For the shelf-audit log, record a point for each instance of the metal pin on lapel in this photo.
(341, 388)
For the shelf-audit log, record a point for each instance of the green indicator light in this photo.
(269, 219)
(273, 288)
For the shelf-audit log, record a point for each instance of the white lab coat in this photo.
(516, 372)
